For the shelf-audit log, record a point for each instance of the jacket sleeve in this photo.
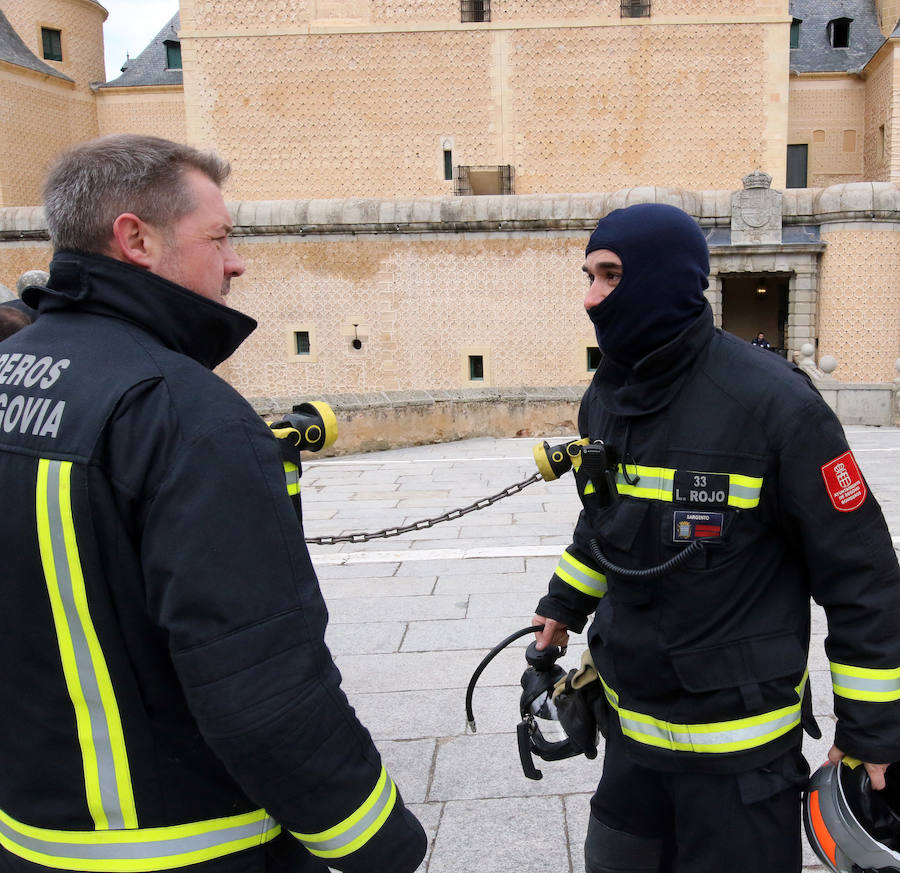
(577, 583)
(836, 524)
(229, 578)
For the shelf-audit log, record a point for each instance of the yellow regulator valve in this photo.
(309, 427)
(553, 461)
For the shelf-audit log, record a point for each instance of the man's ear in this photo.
(136, 242)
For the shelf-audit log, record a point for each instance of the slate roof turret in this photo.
(150, 66)
(14, 51)
(815, 53)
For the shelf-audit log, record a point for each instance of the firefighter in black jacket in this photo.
(718, 494)
(168, 700)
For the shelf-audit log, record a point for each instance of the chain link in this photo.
(425, 523)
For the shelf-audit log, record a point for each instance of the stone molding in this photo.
(855, 201)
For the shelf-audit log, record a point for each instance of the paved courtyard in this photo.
(413, 615)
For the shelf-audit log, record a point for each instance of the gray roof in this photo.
(149, 67)
(815, 53)
(14, 51)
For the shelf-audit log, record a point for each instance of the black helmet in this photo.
(851, 827)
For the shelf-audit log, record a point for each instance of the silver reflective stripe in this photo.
(866, 683)
(137, 850)
(646, 483)
(336, 844)
(571, 571)
(359, 827)
(292, 478)
(64, 578)
(683, 738)
(723, 737)
(745, 492)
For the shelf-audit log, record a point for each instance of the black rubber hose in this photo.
(470, 716)
(651, 572)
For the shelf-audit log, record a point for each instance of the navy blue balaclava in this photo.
(665, 268)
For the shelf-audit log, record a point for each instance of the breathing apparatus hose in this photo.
(470, 716)
(650, 572)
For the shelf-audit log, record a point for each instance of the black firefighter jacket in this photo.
(720, 448)
(167, 698)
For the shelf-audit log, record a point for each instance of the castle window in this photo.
(475, 10)
(52, 44)
(797, 162)
(635, 9)
(593, 358)
(484, 180)
(476, 367)
(173, 54)
(448, 164)
(795, 33)
(302, 344)
(839, 32)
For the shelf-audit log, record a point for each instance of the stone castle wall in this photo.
(152, 111)
(46, 113)
(859, 320)
(426, 283)
(80, 23)
(365, 106)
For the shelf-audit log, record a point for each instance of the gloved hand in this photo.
(581, 706)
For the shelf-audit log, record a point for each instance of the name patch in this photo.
(698, 489)
(844, 483)
(688, 526)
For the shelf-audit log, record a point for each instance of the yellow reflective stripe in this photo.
(107, 777)
(654, 483)
(589, 488)
(657, 483)
(723, 737)
(866, 683)
(580, 576)
(357, 829)
(292, 478)
(138, 850)
(744, 491)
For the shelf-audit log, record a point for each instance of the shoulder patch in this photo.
(844, 483)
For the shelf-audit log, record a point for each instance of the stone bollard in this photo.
(31, 277)
(820, 372)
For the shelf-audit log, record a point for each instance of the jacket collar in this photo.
(652, 383)
(182, 320)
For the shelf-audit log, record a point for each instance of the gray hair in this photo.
(95, 182)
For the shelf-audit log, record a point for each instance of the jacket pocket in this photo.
(742, 664)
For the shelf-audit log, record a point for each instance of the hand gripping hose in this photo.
(470, 715)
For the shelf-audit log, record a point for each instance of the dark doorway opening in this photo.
(754, 303)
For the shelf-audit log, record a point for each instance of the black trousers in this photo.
(707, 823)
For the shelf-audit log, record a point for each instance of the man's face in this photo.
(604, 271)
(197, 252)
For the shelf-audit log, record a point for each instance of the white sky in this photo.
(131, 24)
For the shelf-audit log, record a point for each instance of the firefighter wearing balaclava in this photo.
(723, 495)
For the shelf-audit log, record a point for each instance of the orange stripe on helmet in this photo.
(821, 831)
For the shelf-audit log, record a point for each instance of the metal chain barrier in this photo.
(364, 537)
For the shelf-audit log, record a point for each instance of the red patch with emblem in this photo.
(844, 483)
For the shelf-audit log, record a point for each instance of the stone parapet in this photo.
(389, 419)
(857, 201)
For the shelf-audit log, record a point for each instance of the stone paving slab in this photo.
(413, 615)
